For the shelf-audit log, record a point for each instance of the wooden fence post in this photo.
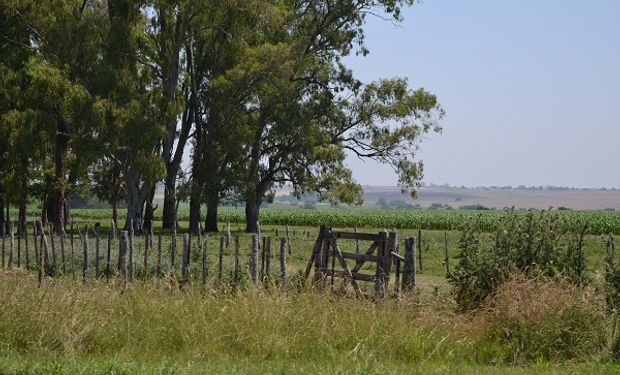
(205, 268)
(42, 250)
(72, 250)
(288, 239)
(268, 260)
(409, 271)
(357, 241)
(254, 258)
(52, 242)
(36, 244)
(420, 250)
(11, 245)
(228, 237)
(173, 252)
(158, 267)
(186, 259)
(63, 257)
(447, 257)
(131, 267)
(2, 233)
(123, 250)
(19, 246)
(237, 273)
(97, 243)
(220, 259)
(27, 252)
(46, 252)
(111, 236)
(85, 255)
(283, 277)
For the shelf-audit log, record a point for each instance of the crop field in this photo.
(598, 222)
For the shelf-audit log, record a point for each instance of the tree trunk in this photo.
(252, 211)
(2, 218)
(137, 192)
(149, 209)
(194, 215)
(56, 187)
(115, 210)
(169, 217)
(211, 221)
(23, 201)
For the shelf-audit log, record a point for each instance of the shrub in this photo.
(534, 244)
(543, 318)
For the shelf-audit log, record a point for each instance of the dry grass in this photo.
(147, 326)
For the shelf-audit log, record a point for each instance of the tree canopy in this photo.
(109, 97)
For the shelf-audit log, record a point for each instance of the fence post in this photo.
(131, 267)
(205, 269)
(220, 259)
(97, 243)
(123, 249)
(51, 229)
(36, 248)
(158, 267)
(2, 233)
(228, 237)
(173, 252)
(27, 252)
(63, 258)
(19, 246)
(72, 251)
(283, 278)
(85, 255)
(447, 258)
(11, 245)
(186, 258)
(254, 258)
(288, 239)
(409, 271)
(420, 250)
(236, 274)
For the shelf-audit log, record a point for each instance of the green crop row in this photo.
(598, 222)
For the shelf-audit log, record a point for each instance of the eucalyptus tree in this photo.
(306, 109)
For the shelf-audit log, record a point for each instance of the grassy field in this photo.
(152, 326)
(109, 328)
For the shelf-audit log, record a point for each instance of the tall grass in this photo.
(157, 323)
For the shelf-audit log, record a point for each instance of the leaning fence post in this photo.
(228, 237)
(283, 279)
(288, 238)
(254, 259)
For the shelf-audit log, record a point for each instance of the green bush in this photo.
(536, 244)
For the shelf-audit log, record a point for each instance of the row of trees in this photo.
(108, 97)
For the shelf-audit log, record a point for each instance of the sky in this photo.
(531, 89)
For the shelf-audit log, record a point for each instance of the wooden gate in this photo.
(382, 250)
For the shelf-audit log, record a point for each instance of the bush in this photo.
(534, 244)
(535, 319)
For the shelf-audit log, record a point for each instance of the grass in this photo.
(152, 327)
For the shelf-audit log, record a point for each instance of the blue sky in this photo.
(531, 89)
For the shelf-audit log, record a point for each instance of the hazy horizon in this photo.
(529, 88)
